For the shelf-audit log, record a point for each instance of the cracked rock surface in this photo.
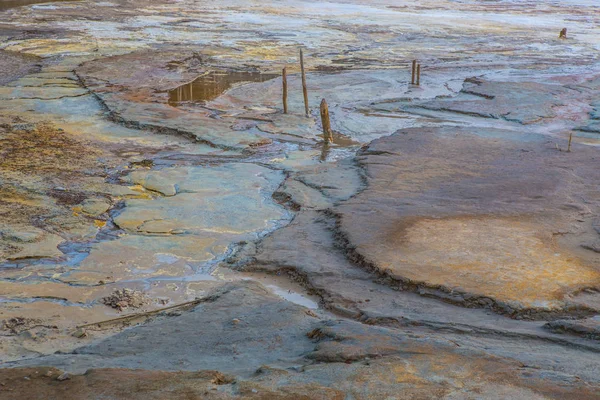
(166, 231)
(485, 220)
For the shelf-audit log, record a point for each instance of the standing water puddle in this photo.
(209, 86)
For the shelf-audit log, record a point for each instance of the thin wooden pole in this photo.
(418, 74)
(304, 90)
(570, 138)
(285, 92)
(145, 313)
(327, 135)
(563, 34)
(414, 69)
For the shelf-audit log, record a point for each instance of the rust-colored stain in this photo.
(509, 259)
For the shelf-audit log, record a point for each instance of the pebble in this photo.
(63, 377)
(80, 333)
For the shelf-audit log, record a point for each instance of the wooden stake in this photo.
(414, 69)
(570, 138)
(304, 90)
(563, 34)
(418, 74)
(143, 314)
(327, 135)
(284, 81)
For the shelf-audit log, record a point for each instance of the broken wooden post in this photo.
(304, 90)
(414, 69)
(569, 146)
(284, 81)
(563, 34)
(327, 135)
(418, 74)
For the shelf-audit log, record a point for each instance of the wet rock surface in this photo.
(137, 101)
(496, 100)
(492, 216)
(303, 353)
(238, 311)
(167, 232)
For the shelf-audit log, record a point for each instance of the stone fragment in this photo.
(80, 333)
(95, 206)
(39, 248)
(125, 298)
(63, 377)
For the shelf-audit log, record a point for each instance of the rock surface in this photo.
(307, 357)
(494, 207)
(444, 245)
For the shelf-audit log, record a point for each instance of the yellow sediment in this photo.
(506, 259)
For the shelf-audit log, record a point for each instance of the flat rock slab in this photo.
(346, 93)
(136, 257)
(95, 206)
(304, 196)
(230, 199)
(238, 328)
(499, 100)
(342, 360)
(594, 123)
(45, 247)
(321, 185)
(475, 216)
(307, 251)
(41, 93)
(133, 87)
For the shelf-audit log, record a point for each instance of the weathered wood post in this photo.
(418, 74)
(414, 69)
(569, 146)
(327, 135)
(285, 92)
(304, 90)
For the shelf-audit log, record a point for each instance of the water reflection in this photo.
(339, 140)
(342, 140)
(210, 86)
